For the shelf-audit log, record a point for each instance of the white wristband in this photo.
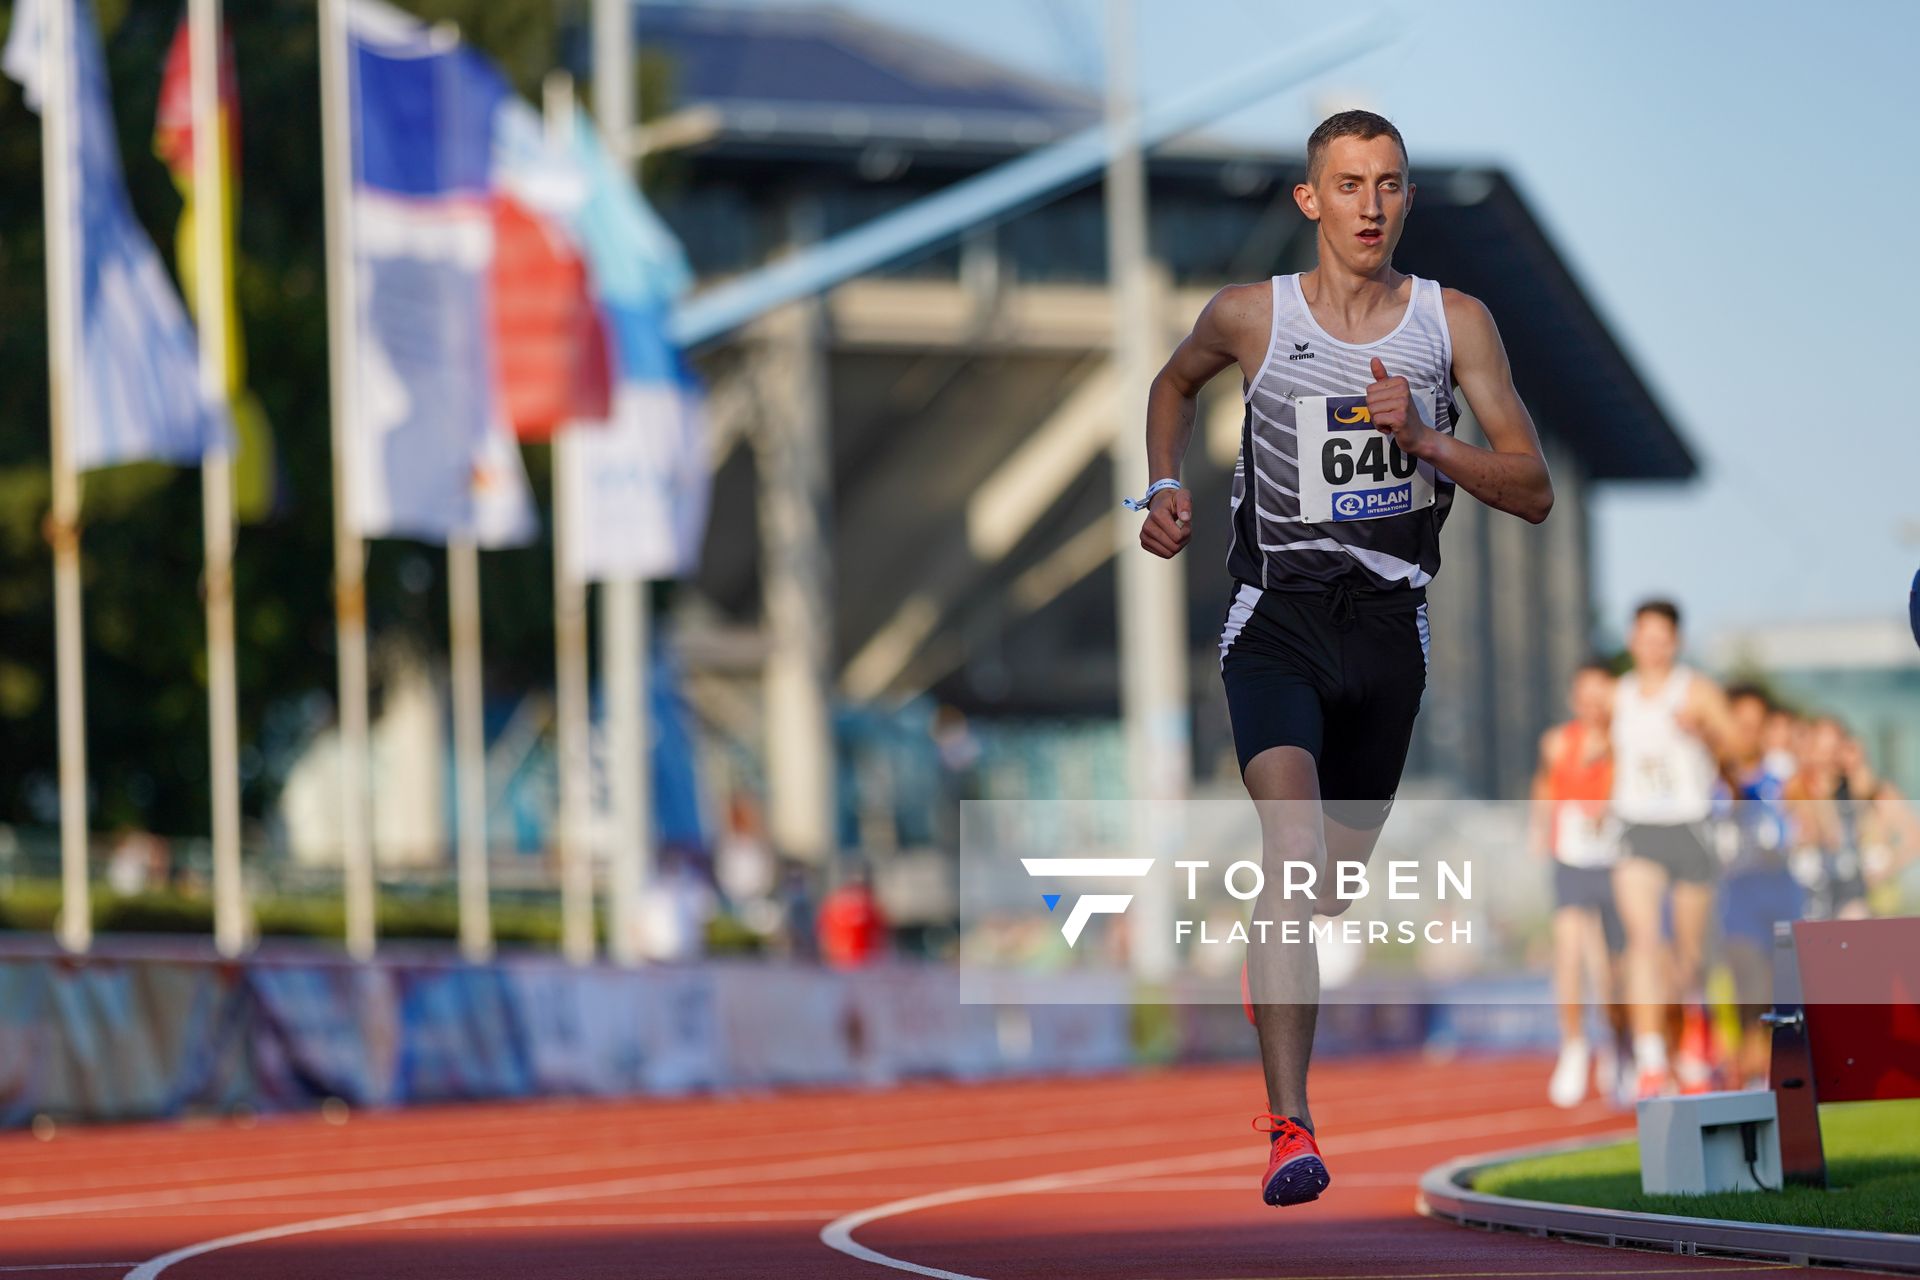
(1146, 500)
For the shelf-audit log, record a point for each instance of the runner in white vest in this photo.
(1348, 466)
(1669, 726)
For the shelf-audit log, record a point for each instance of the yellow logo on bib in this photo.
(1358, 413)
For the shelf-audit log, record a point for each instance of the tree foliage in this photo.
(145, 634)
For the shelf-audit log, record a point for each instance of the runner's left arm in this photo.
(1509, 475)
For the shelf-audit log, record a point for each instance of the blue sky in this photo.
(1730, 181)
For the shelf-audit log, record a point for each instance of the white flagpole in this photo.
(216, 474)
(63, 521)
(1152, 594)
(349, 553)
(469, 749)
(571, 714)
(623, 601)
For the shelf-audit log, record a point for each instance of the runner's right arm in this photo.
(1226, 325)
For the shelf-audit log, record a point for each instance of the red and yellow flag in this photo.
(173, 141)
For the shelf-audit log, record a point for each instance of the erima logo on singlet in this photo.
(1300, 351)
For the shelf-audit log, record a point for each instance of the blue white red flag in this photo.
(429, 452)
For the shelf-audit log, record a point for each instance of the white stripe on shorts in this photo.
(1426, 637)
(1243, 602)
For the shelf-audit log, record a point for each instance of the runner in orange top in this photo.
(1570, 825)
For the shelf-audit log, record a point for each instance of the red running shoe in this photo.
(1295, 1172)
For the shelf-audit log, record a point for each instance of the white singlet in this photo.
(1662, 775)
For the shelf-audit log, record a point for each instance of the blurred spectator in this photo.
(1827, 852)
(1886, 832)
(675, 909)
(1777, 738)
(960, 751)
(138, 861)
(796, 898)
(853, 932)
(743, 861)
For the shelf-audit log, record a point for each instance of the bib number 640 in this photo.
(1377, 458)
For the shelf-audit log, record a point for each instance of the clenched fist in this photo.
(1391, 406)
(1169, 523)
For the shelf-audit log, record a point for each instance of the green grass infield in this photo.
(1873, 1172)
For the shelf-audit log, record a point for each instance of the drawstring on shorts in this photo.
(1340, 605)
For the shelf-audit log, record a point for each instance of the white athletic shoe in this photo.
(1568, 1088)
(1606, 1072)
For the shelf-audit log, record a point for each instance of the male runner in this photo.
(1572, 825)
(1670, 728)
(1347, 468)
(1758, 890)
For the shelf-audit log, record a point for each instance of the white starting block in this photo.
(1696, 1145)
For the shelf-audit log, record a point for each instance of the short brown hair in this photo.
(1659, 608)
(1364, 125)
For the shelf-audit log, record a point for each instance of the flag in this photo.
(430, 454)
(134, 378)
(254, 476)
(550, 345)
(639, 486)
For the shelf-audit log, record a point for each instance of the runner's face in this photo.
(1592, 699)
(1654, 644)
(1360, 200)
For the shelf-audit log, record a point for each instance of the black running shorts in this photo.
(1590, 889)
(1680, 848)
(1336, 672)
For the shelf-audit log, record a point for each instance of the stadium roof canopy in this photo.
(788, 87)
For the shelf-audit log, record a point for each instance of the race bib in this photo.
(1349, 469)
(1582, 838)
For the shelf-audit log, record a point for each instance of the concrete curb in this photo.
(1444, 1194)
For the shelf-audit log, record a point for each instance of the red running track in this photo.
(1146, 1175)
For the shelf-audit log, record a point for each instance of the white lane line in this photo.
(375, 1141)
(1238, 1184)
(377, 1136)
(460, 1171)
(1705, 1265)
(562, 1156)
(1049, 1143)
(838, 1234)
(816, 1166)
(569, 1222)
(1060, 1139)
